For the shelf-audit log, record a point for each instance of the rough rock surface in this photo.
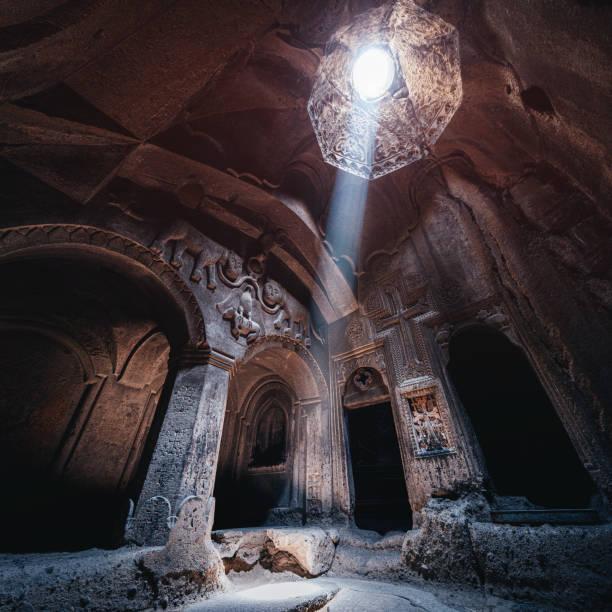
(189, 566)
(568, 566)
(564, 566)
(441, 549)
(306, 552)
(130, 578)
(98, 579)
(366, 554)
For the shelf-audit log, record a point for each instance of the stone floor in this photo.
(337, 570)
(262, 591)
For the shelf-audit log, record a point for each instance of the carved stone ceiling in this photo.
(103, 98)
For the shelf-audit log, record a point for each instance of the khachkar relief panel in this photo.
(428, 413)
(251, 303)
(398, 307)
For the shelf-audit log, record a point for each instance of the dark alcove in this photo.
(381, 501)
(269, 445)
(82, 365)
(527, 450)
(255, 474)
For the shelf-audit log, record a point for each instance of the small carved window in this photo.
(269, 445)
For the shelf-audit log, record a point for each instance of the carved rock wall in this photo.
(448, 275)
(83, 366)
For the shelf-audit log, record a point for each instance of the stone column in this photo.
(184, 462)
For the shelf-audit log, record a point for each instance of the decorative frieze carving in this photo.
(252, 294)
(240, 314)
(354, 330)
(374, 360)
(184, 238)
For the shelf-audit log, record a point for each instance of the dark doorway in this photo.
(527, 450)
(381, 501)
(255, 472)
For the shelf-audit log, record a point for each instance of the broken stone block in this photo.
(306, 552)
(311, 548)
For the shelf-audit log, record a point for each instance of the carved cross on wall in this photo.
(399, 308)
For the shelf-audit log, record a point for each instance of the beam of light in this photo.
(345, 221)
(372, 73)
(346, 210)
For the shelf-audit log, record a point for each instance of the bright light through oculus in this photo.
(373, 73)
(362, 124)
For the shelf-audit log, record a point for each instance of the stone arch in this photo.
(491, 317)
(365, 385)
(301, 490)
(314, 385)
(88, 241)
(58, 335)
(108, 326)
(265, 399)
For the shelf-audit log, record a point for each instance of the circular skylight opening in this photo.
(373, 73)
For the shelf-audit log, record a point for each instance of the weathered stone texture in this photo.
(307, 552)
(172, 242)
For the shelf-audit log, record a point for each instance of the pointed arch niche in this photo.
(272, 447)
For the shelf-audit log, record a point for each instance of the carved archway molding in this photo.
(313, 397)
(489, 313)
(277, 341)
(27, 240)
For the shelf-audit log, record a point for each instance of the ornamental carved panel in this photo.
(429, 427)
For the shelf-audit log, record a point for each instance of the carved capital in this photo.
(192, 354)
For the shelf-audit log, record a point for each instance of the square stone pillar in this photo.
(184, 461)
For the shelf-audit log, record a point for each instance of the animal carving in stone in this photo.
(296, 324)
(240, 315)
(186, 239)
(230, 265)
(273, 297)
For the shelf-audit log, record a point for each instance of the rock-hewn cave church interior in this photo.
(306, 305)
